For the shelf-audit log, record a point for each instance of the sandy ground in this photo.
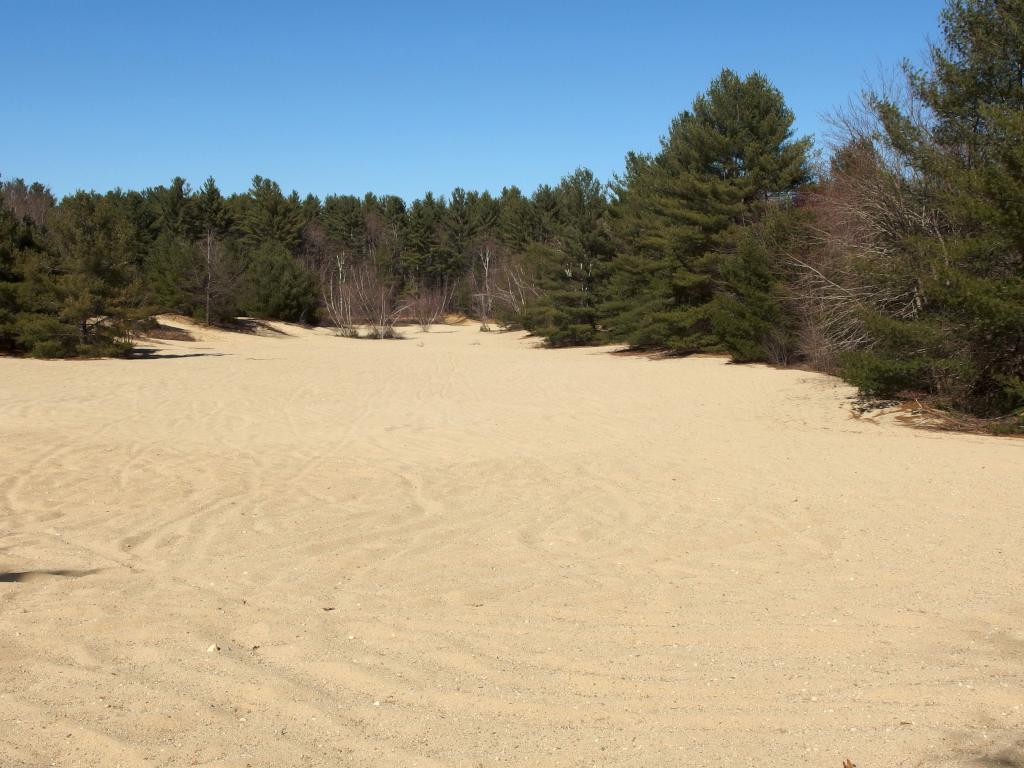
(461, 550)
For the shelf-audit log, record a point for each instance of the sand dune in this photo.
(460, 550)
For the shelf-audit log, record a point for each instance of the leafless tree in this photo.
(355, 294)
(336, 294)
(854, 264)
(514, 286)
(486, 256)
(866, 211)
(33, 202)
(315, 252)
(375, 300)
(428, 304)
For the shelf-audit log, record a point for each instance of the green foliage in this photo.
(172, 210)
(517, 221)
(344, 221)
(265, 214)
(905, 354)
(571, 268)
(751, 314)
(966, 340)
(173, 274)
(427, 257)
(10, 277)
(277, 287)
(208, 215)
(720, 162)
(74, 289)
(191, 267)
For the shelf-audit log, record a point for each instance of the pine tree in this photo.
(11, 241)
(516, 219)
(219, 275)
(424, 255)
(460, 225)
(965, 341)
(81, 296)
(29, 300)
(344, 220)
(174, 275)
(191, 267)
(752, 313)
(311, 209)
(266, 214)
(733, 151)
(571, 267)
(172, 209)
(277, 287)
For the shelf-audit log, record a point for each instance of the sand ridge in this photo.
(458, 549)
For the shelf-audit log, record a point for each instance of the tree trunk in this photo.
(209, 272)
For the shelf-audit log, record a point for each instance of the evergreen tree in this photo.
(81, 295)
(12, 240)
(424, 257)
(173, 275)
(29, 301)
(310, 209)
(386, 223)
(751, 312)
(277, 287)
(461, 226)
(545, 214)
(965, 340)
(266, 214)
(571, 268)
(344, 220)
(516, 219)
(172, 209)
(190, 266)
(733, 151)
(212, 222)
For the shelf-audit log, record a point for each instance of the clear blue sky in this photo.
(403, 97)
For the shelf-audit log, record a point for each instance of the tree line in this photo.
(78, 276)
(897, 263)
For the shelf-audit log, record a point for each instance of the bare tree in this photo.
(33, 202)
(428, 305)
(853, 266)
(336, 294)
(315, 251)
(868, 208)
(355, 294)
(485, 257)
(514, 286)
(375, 300)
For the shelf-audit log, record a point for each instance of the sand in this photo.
(459, 549)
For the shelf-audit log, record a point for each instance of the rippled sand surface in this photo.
(461, 550)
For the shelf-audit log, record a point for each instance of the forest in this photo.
(895, 262)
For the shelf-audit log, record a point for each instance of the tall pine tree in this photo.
(733, 151)
(571, 268)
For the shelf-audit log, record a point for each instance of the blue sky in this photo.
(403, 97)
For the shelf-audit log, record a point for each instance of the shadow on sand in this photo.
(14, 577)
(153, 353)
(1009, 757)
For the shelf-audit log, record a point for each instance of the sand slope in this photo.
(460, 550)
